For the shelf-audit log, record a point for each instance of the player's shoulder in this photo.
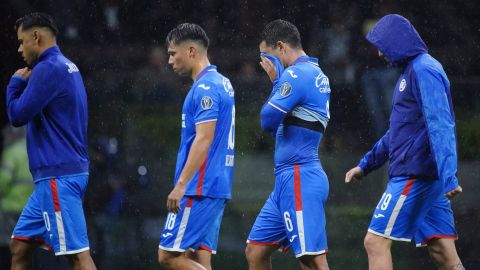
(58, 65)
(46, 68)
(292, 72)
(293, 76)
(215, 82)
(205, 85)
(425, 63)
(224, 84)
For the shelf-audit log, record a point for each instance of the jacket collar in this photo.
(55, 50)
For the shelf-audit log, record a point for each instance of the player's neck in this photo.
(294, 55)
(199, 66)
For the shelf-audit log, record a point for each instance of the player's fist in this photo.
(269, 68)
(173, 200)
(24, 72)
(354, 175)
(453, 193)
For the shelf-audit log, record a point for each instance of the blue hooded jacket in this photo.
(53, 105)
(420, 142)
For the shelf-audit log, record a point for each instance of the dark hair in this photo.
(281, 30)
(37, 19)
(188, 31)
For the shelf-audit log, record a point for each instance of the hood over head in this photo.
(396, 38)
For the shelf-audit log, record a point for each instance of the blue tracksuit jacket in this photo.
(53, 105)
(421, 140)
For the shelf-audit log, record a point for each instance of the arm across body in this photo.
(286, 94)
(271, 117)
(27, 94)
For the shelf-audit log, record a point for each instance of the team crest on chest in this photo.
(206, 102)
(402, 86)
(285, 89)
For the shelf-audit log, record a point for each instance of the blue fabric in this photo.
(53, 105)
(291, 216)
(420, 142)
(413, 199)
(270, 119)
(201, 218)
(435, 97)
(396, 38)
(277, 63)
(211, 98)
(39, 220)
(439, 223)
(303, 91)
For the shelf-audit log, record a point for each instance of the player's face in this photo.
(179, 58)
(272, 51)
(28, 41)
(267, 49)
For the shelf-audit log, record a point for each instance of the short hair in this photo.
(37, 19)
(281, 30)
(188, 31)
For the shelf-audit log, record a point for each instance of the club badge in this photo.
(206, 102)
(285, 89)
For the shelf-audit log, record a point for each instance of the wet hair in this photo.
(188, 31)
(281, 30)
(37, 19)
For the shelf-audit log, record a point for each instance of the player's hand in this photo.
(24, 72)
(354, 175)
(269, 68)
(173, 200)
(453, 193)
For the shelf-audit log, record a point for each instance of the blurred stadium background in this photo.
(135, 102)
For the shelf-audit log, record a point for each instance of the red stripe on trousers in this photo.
(56, 202)
(200, 177)
(205, 248)
(263, 243)
(38, 240)
(296, 187)
(408, 186)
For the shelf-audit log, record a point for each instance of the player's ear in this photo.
(278, 44)
(36, 36)
(192, 51)
(281, 46)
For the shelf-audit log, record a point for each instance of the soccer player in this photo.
(296, 113)
(49, 97)
(204, 170)
(421, 149)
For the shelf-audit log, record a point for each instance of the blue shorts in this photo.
(54, 216)
(294, 214)
(196, 226)
(413, 208)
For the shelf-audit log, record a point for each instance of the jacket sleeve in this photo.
(25, 99)
(432, 95)
(377, 156)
